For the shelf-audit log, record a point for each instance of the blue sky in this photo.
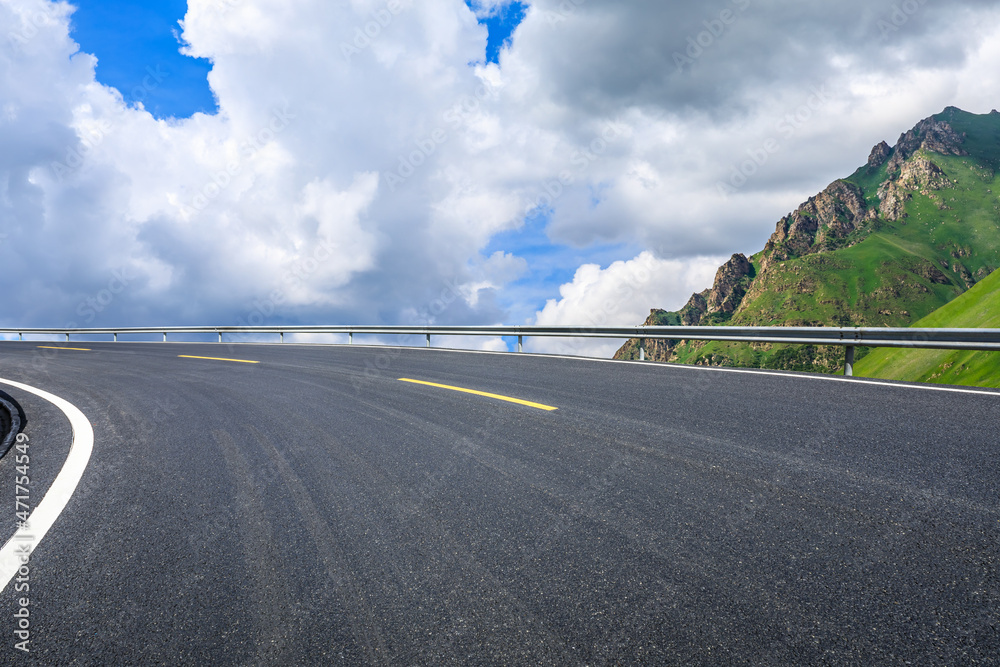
(132, 37)
(549, 264)
(501, 25)
(279, 209)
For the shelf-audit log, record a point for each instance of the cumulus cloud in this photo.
(619, 295)
(364, 161)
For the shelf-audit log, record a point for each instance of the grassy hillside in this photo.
(979, 308)
(903, 236)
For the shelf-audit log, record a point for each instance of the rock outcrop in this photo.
(892, 200)
(921, 175)
(832, 214)
(878, 156)
(932, 273)
(730, 286)
(936, 136)
(915, 175)
(695, 309)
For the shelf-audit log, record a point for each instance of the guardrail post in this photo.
(67, 337)
(116, 336)
(428, 340)
(350, 338)
(20, 336)
(849, 364)
(164, 336)
(282, 334)
(220, 336)
(642, 349)
(520, 344)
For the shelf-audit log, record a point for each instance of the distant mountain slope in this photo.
(979, 308)
(908, 232)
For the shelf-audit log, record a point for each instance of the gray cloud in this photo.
(360, 168)
(717, 57)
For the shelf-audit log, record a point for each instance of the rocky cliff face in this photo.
(838, 216)
(832, 214)
(730, 286)
(695, 309)
(878, 156)
(935, 136)
(915, 175)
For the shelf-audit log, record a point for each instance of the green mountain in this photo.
(979, 308)
(915, 227)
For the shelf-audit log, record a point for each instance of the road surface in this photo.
(313, 508)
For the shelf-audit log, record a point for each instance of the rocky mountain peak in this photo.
(878, 156)
(832, 214)
(730, 286)
(930, 134)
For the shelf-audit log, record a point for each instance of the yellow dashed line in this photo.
(239, 361)
(482, 393)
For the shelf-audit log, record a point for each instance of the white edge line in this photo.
(25, 540)
(688, 367)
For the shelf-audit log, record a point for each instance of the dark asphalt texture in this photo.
(312, 509)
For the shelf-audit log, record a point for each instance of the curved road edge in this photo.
(29, 536)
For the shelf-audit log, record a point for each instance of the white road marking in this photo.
(48, 510)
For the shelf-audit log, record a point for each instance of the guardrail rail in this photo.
(939, 339)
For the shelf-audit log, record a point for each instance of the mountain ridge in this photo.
(911, 229)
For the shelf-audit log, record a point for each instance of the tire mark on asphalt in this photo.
(365, 628)
(262, 556)
(407, 517)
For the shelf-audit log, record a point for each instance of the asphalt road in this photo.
(314, 509)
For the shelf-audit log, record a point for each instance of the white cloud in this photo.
(360, 167)
(619, 296)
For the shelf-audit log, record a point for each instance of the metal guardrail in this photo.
(939, 339)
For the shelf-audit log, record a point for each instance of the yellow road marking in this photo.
(482, 393)
(78, 349)
(239, 361)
